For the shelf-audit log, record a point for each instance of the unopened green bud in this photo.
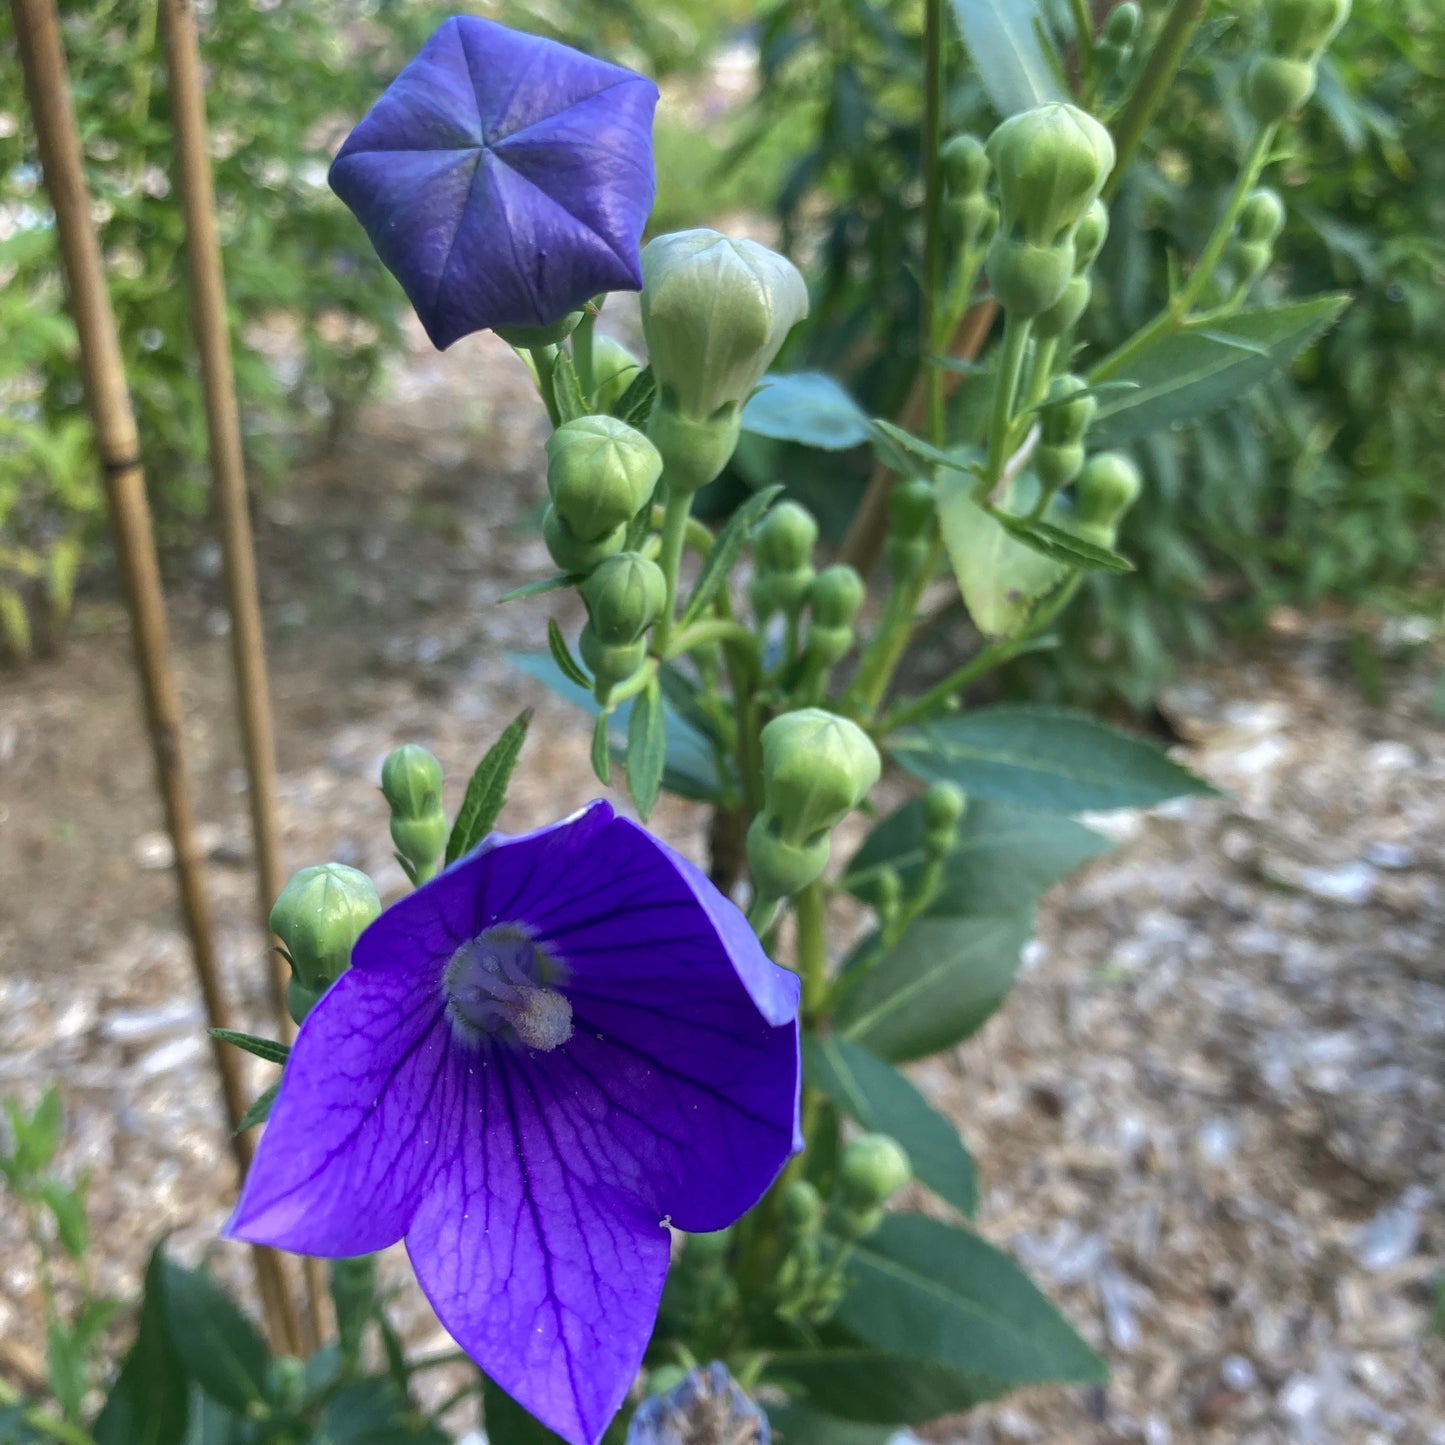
(888, 894)
(802, 1210)
(1067, 411)
(943, 809)
(1051, 163)
(836, 596)
(911, 508)
(694, 453)
(780, 868)
(1122, 26)
(873, 1169)
(600, 474)
(570, 552)
(965, 165)
(1108, 486)
(1026, 279)
(421, 840)
(411, 781)
(529, 338)
(1262, 216)
(1058, 465)
(319, 916)
(785, 539)
(1248, 261)
(614, 369)
(1090, 235)
(624, 597)
(1275, 86)
(817, 767)
(715, 312)
(610, 663)
(1303, 28)
(1067, 311)
(971, 220)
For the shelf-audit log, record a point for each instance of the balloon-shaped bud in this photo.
(570, 552)
(610, 663)
(600, 474)
(624, 597)
(1248, 261)
(873, 1168)
(1108, 486)
(1261, 218)
(614, 369)
(1067, 411)
(715, 312)
(965, 165)
(802, 1210)
(1121, 29)
(943, 809)
(319, 915)
(817, 767)
(911, 508)
(1275, 86)
(1303, 28)
(783, 551)
(1027, 279)
(834, 600)
(411, 780)
(1090, 235)
(1067, 311)
(1051, 163)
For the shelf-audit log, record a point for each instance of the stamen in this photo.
(498, 985)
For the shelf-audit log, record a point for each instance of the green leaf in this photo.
(149, 1402)
(353, 1296)
(65, 1369)
(726, 550)
(67, 1208)
(1004, 859)
(260, 1109)
(919, 450)
(567, 389)
(634, 406)
(646, 748)
(217, 1345)
(942, 1294)
(1005, 44)
(508, 1423)
(267, 1049)
(376, 1412)
(886, 1387)
(1046, 758)
(601, 757)
(692, 768)
(572, 670)
(807, 407)
(943, 979)
(1061, 545)
(546, 584)
(210, 1424)
(36, 1134)
(487, 789)
(875, 1095)
(798, 1425)
(1187, 375)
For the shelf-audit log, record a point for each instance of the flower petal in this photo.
(350, 1148)
(540, 1267)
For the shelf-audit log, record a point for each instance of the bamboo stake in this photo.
(42, 57)
(228, 471)
(208, 302)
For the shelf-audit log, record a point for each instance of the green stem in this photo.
(42, 1421)
(1006, 385)
(544, 360)
(1041, 370)
(710, 629)
(1176, 314)
(674, 533)
(582, 352)
(1084, 37)
(933, 289)
(809, 910)
(886, 650)
(1153, 85)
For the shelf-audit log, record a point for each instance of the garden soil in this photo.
(1211, 1118)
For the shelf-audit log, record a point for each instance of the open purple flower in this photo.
(503, 178)
(536, 1061)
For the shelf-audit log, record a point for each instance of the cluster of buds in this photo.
(318, 917)
(715, 312)
(896, 905)
(833, 603)
(911, 519)
(969, 213)
(625, 595)
(411, 783)
(817, 767)
(1114, 48)
(600, 474)
(1089, 237)
(783, 558)
(1282, 77)
(1063, 423)
(1107, 487)
(872, 1170)
(1051, 164)
(1251, 249)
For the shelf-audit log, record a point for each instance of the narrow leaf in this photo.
(1060, 545)
(546, 584)
(886, 1387)
(634, 406)
(1006, 45)
(921, 450)
(217, 1345)
(646, 748)
(260, 1109)
(267, 1049)
(725, 552)
(487, 790)
(562, 656)
(601, 757)
(567, 389)
(149, 1402)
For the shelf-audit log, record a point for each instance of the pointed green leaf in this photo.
(1046, 758)
(546, 584)
(1062, 546)
(799, 1425)
(267, 1049)
(726, 550)
(634, 406)
(567, 389)
(217, 1345)
(149, 1402)
(1008, 53)
(601, 758)
(487, 790)
(562, 656)
(260, 1109)
(922, 451)
(646, 748)
(874, 1094)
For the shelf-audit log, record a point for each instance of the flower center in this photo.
(498, 984)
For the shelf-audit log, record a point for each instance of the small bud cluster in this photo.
(1114, 48)
(625, 595)
(600, 474)
(1282, 77)
(1105, 490)
(411, 783)
(1251, 248)
(783, 558)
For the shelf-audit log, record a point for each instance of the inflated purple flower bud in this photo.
(600, 474)
(504, 180)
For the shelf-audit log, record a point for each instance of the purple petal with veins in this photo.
(503, 178)
(564, 1040)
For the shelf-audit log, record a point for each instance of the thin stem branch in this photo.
(809, 910)
(1006, 385)
(544, 361)
(674, 533)
(932, 165)
(709, 630)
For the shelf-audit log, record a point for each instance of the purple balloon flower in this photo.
(503, 178)
(536, 1061)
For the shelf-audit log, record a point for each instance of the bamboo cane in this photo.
(228, 471)
(42, 58)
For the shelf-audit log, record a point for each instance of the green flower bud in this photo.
(610, 663)
(971, 220)
(1275, 86)
(837, 595)
(693, 452)
(780, 868)
(624, 597)
(1248, 261)
(1262, 216)
(715, 312)
(570, 552)
(943, 809)
(965, 165)
(614, 369)
(873, 1169)
(1051, 163)
(421, 840)
(802, 1210)
(785, 539)
(911, 508)
(600, 474)
(1090, 235)
(1027, 279)
(817, 767)
(528, 338)
(1303, 28)
(1067, 311)
(1058, 465)
(1067, 411)
(1109, 485)
(1122, 27)
(411, 780)
(319, 915)
(887, 894)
